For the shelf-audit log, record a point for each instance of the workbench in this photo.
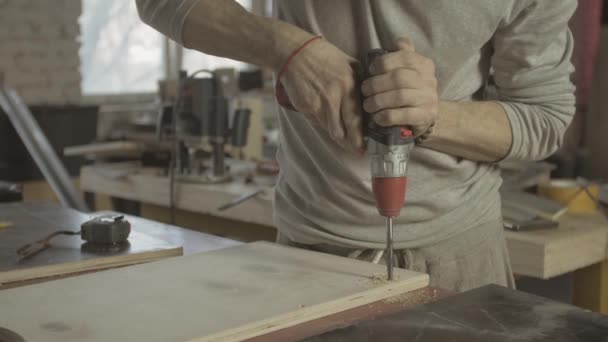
(52, 214)
(427, 314)
(196, 242)
(579, 245)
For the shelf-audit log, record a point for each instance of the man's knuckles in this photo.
(414, 117)
(396, 79)
(398, 98)
(372, 104)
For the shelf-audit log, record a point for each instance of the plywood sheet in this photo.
(224, 295)
(579, 241)
(65, 256)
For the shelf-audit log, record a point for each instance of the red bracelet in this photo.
(279, 90)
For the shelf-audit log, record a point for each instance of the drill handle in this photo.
(394, 135)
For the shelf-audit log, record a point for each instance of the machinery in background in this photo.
(200, 124)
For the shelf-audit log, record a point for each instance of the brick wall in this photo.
(39, 49)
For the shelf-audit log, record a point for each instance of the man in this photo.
(433, 82)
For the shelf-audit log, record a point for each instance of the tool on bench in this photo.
(103, 233)
(389, 152)
(106, 231)
(198, 122)
(240, 200)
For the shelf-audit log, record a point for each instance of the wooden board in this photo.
(591, 288)
(40, 190)
(357, 315)
(210, 224)
(200, 198)
(105, 149)
(579, 241)
(225, 295)
(33, 222)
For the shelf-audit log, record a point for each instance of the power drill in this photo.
(389, 151)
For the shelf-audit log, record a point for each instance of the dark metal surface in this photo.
(10, 192)
(34, 220)
(491, 313)
(10, 336)
(16, 165)
(31, 249)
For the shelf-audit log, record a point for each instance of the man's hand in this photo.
(402, 89)
(321, 83)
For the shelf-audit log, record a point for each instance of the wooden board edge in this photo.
(87, 265)
(595, 241)
(316, 311)
(591, 288)
(527, 258)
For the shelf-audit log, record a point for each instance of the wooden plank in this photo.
(105, 149)
(40, 190)
(53, 262)
(200, 198)
(591, 288)
(226, 295)
(357, 315)
(579, 241)
(33, 222)
(205, 223)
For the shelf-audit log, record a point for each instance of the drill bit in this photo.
(389, 247)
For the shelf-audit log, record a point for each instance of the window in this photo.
(193, 60)
(120, 54)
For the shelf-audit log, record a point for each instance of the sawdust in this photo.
(413, 298)
(376, 280)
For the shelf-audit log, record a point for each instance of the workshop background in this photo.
(90, 126)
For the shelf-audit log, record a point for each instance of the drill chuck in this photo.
(388, 160)
(389, 175)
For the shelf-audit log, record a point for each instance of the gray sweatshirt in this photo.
(324, 194)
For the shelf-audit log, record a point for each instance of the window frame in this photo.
(171, 55)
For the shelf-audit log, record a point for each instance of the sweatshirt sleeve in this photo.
(166, 16)
(532, 68)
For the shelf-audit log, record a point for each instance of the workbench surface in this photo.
(191, 241)
(123, 180)
(31, 214)
(577, 243)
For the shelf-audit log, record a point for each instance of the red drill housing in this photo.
(389, 194)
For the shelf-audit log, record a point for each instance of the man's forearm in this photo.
(224, 28)
(477, 131)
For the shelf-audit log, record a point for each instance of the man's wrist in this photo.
(432, 136)
(474, 130)
(286, 39)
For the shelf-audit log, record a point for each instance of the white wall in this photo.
(39, 49)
